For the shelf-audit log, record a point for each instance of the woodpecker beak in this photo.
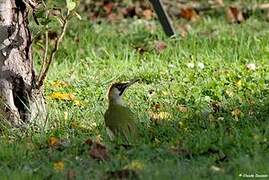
(132, 82)
(126, 85)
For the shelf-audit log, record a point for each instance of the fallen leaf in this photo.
(236, 113)
(58, 144)
(98, 151)
(62, 96)
(189, 14)
(235, 14)
(182, 108)
(58, 166)
(135, 165)
(251, 102)
(147, 14)
(158, 116)
(230, 93)
(108, 7)
(216, 106)
(58, 84)
(53, 141)
(160, 46)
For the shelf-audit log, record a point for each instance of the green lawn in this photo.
(211, 122)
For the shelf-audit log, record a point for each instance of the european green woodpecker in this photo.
(119, 119)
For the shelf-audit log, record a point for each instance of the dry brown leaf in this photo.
(216, 106)
(53, 141)
(98, 151)
(147, 14)
(58, 144)
(113, 17)
(234, 14)
(189, 14)
(157, 117)
(160, 46)
(108, 7)
(236, 113)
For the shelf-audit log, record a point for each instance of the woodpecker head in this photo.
(116, 91)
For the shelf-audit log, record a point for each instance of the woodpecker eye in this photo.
(121, 88)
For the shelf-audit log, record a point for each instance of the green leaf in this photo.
(70, 5)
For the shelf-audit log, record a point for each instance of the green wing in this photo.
(121, 121)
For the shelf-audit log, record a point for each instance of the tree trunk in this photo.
(20, 101)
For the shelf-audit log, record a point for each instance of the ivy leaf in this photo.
(70, 5)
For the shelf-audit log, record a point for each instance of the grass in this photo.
(210, 123)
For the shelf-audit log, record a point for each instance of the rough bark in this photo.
(20, 101)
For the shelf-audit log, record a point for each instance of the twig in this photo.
(53, 52)
(44, 59)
